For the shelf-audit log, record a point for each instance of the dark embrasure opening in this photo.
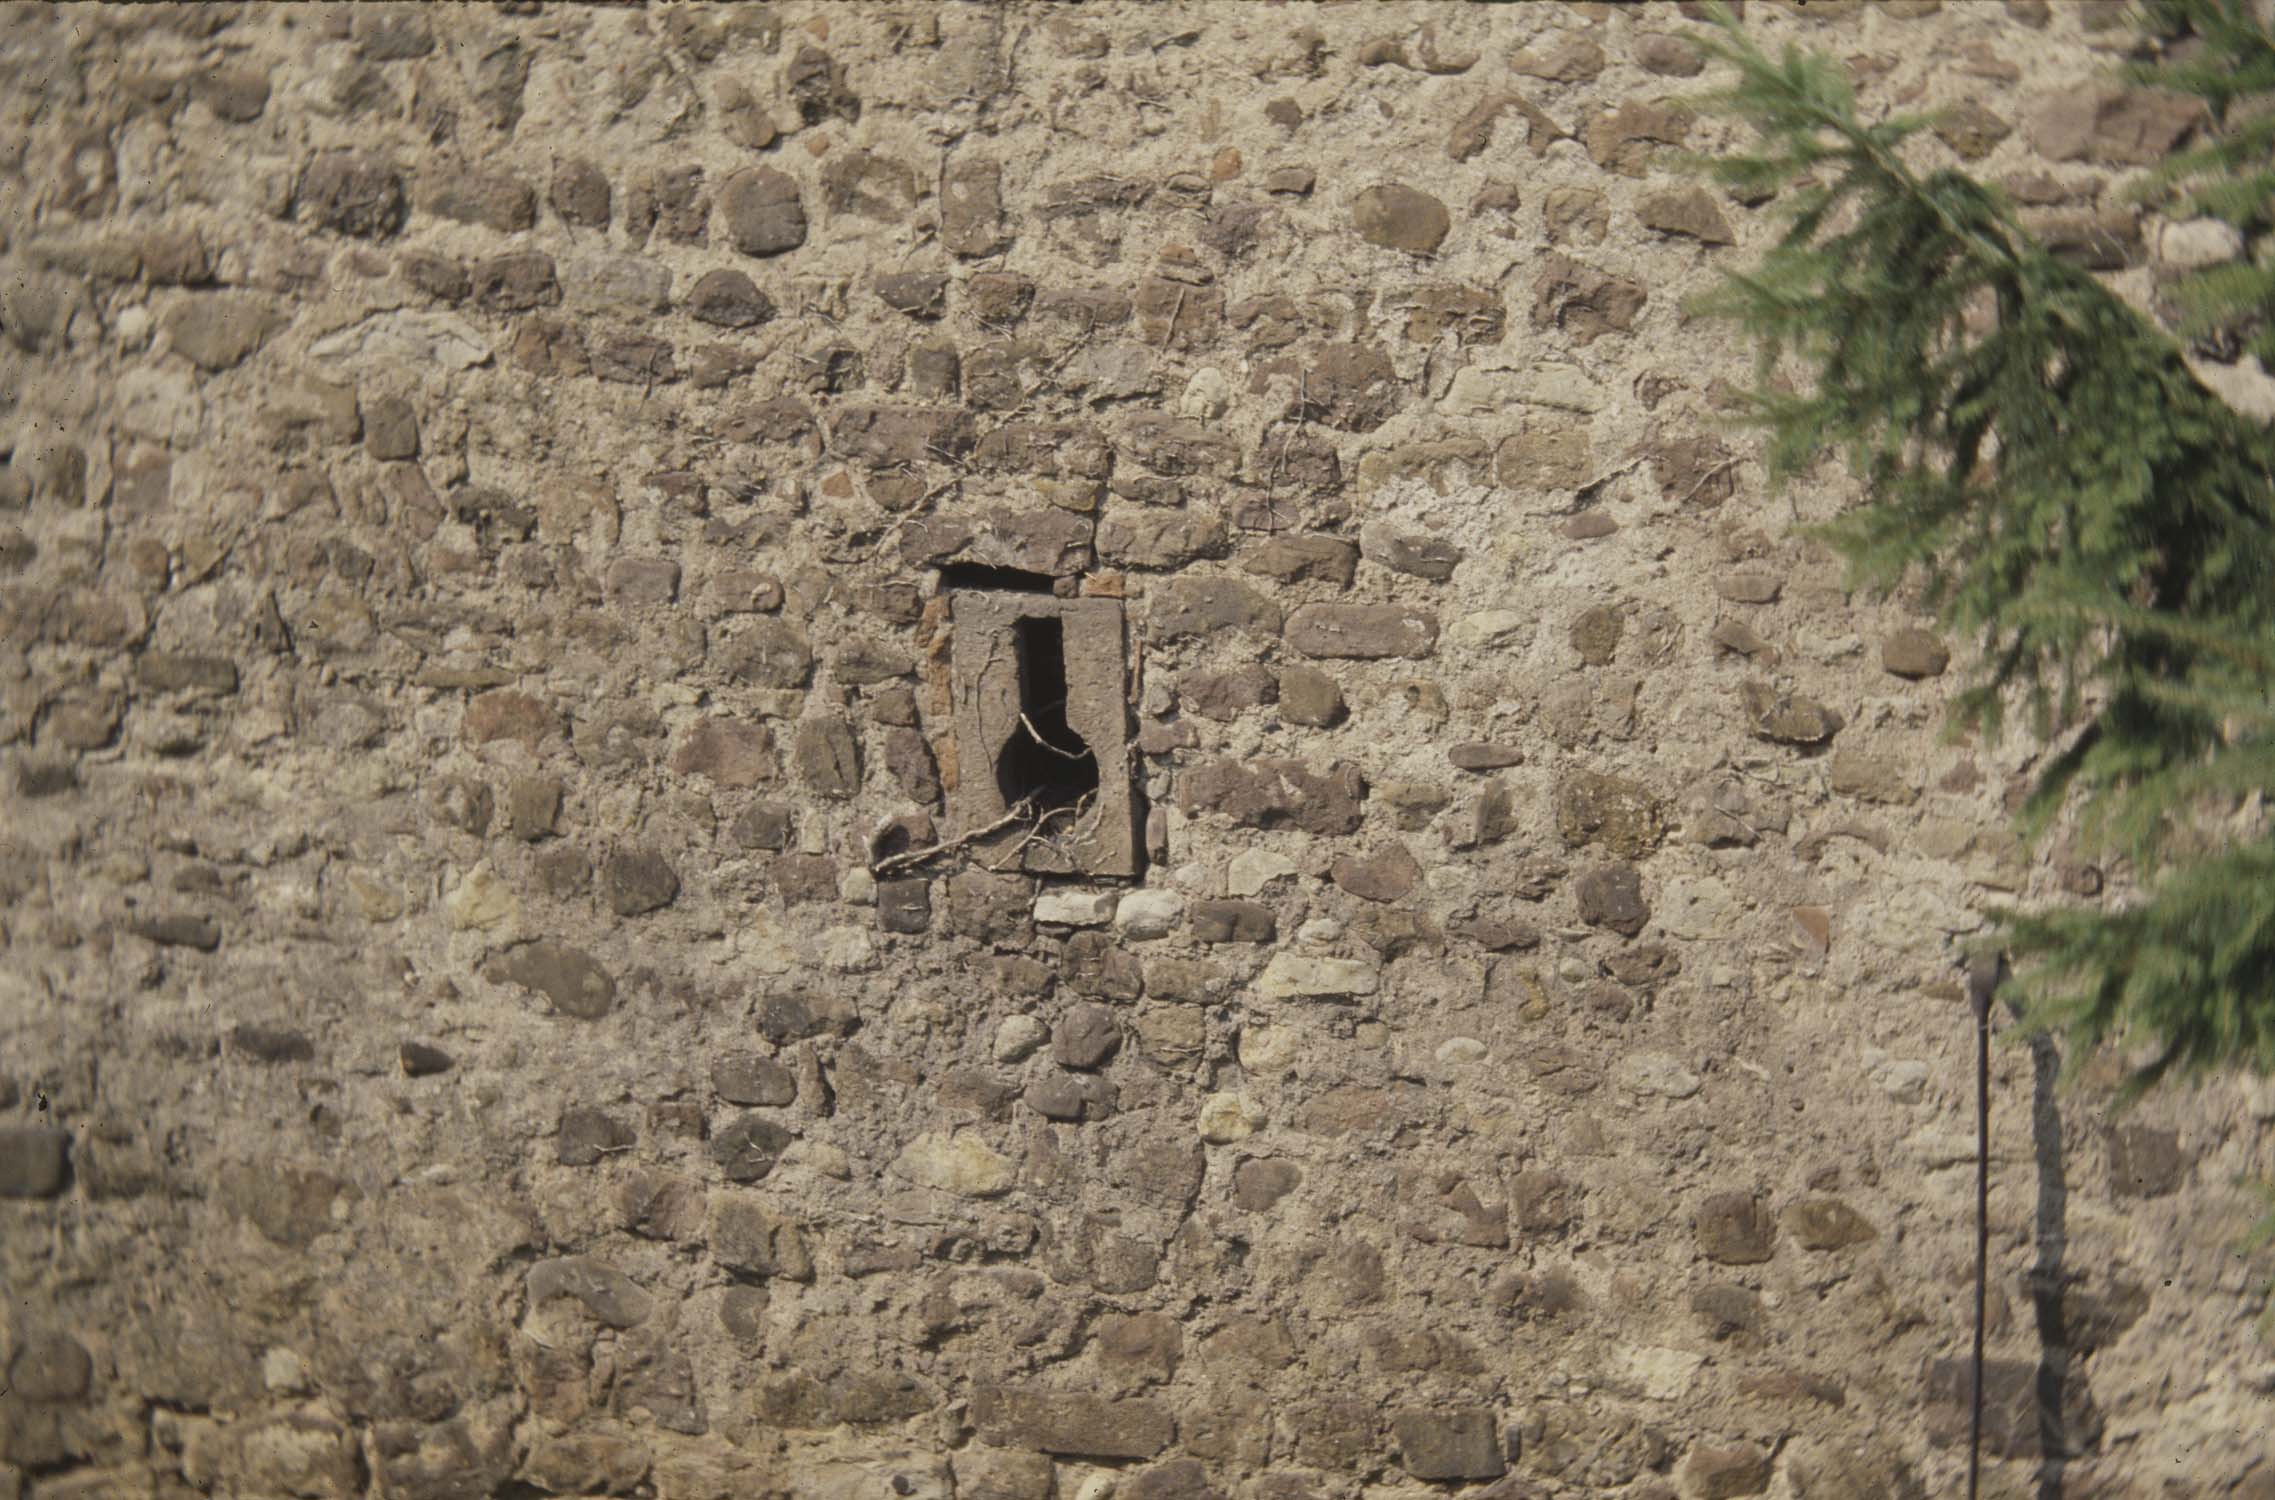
(1045, 762)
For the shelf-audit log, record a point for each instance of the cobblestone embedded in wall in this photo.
(501, 987)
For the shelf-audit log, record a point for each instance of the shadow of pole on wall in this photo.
(2046, 1274)
(2006, 1409)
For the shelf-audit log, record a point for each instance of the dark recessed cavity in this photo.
(965, 575)
(1044, 762)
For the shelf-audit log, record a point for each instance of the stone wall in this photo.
(497, 996)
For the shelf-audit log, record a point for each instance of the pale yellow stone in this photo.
(481, 902)
(1230, 1117)
(962, 1164)
(377, 902)
(1265, 1050)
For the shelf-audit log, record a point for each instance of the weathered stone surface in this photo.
(1886, 779)
(2114, 127)
(828, 757)
(1070, 1098)
(1185, 607)
(865, 185)
(889, 435)
(748, 1148)
(1735, 1229)
(1309, 697)
(1687, 212)
(1085, 1037)
(1625, 140)
(971, 208)
(1232, 922)
(1349, 387)
(514, 283)
(580, 194)
(751, 1237)
(292, 1206)
(727, 298)
(1398, 217)
(1419, 556)
(2145, 1161)
(494, 200)
(1068, 1423)
(32, 1161)
(1584, 302)
(1725, 1471)
(764, 213)
(748, 1078)
(353, 194)
(1560, 57)
(1224, 696)
(550, 550)
(588, 1136)
(1788, 718)
(1972, 130)
(607, 1293)
(1621, 814)
(1460, 1444)
(904, 906)
(569, 977)
(1612, 896)
(1388, 874)
(1914, 653)
(1258, 1185)
(730, 753)
(181, 930)
(2017, 1421)
(1826, 1224)
(1160, 538)
(1002, 1474)
(1271, 793)
(1362, 631)
(1667, 56)
(638, 881)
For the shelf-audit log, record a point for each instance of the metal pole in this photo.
(1983, 976)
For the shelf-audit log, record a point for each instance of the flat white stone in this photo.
(1206, 396)
(1148, 913)
(408, 337)
(1253, 869)
(1560, 386)
(1289, 975)
(1663, 1373)
(2243, 385)
(2195, 243)
(1076, 908)
(1695, 908)
(1904, 1079)
(160, 404)
(1455, 1051)
(1487, 627)
(1655, 1074)
(847, 949)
